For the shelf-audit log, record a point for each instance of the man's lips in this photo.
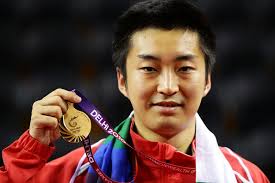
(167, 108)
(167, 104)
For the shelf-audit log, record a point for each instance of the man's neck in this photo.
(181, 140)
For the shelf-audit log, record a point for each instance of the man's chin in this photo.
(168, 129)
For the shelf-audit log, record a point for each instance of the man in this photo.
(164, 51)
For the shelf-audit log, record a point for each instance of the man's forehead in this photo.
(158, 37)
(153, 30)
(161, 40)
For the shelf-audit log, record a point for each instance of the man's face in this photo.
(165, 79)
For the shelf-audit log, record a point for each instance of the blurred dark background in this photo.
(67, 44)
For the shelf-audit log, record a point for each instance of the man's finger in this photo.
(54, 101)
(66, 95)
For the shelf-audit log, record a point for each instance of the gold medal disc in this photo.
(75, 125)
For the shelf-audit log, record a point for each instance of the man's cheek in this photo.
(145, 92)
(193, 89)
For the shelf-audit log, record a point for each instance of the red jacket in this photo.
(25, 160)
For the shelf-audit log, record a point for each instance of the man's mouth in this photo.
(167, 104)
(167, 108)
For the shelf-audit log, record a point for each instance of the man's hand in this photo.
(47, 112)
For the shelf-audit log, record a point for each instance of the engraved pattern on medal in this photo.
(75, 125)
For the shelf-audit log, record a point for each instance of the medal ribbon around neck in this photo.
(74, 128)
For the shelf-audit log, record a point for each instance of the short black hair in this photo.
(167, 15)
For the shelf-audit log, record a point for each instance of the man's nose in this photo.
(168, 83)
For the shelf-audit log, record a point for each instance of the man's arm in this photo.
(26, 158)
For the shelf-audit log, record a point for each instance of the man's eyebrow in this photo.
(148, 57)
(185, 57)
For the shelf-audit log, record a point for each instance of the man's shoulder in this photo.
(244, 167)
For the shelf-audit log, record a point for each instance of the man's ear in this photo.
(207, 85)
(121, 82)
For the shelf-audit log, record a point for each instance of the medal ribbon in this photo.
(101, 121)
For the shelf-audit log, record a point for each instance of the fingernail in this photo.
(77, 98)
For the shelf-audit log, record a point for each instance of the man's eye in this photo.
(148, 69)
(186, 69)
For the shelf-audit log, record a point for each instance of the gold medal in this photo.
(75, 125)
